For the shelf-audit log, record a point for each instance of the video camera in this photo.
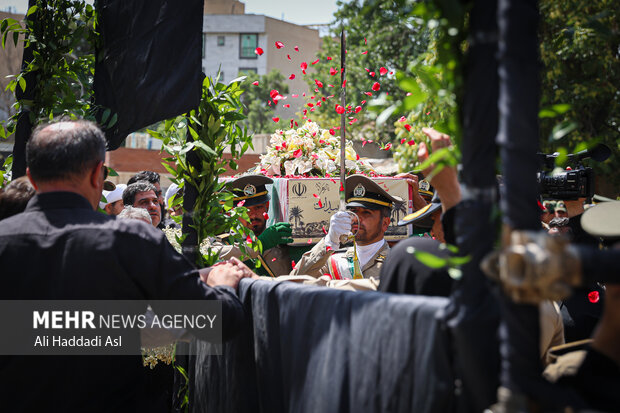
(578, 182)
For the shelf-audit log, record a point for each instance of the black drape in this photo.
(315, 349)
(148, 65)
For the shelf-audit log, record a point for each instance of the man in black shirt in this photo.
(60, 248)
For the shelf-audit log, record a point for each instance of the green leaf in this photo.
(554, 110)
(562, 129)
(105, 116)
(31, 10)
(22, 83)
(430, 260)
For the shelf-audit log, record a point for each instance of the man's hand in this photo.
(412, 181)
(226, 273)
(339, 224)
(445, 181)
(278, 233)
(575, 207)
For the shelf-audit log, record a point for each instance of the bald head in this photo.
(63, 150)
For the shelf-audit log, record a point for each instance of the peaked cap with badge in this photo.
(363, 192)
(251, 189)
(422, 217)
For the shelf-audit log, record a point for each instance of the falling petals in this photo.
(255, 83)
(294, 96)
(364, 142)
(376, 86)
(372, 74)
(368, 93)
(297, 153)
(279, 45)
(341, 187)
(363, 101)
(276, 119)
(344, 84)
(303, 65)
(318, 83)
(292, 76)
(287, 106)
(273, 93)
(309, 240)
(339, 109)
(316, 61)
(402, 141)
(408, 127)
(411, 142)
(288, 56)
(320, 204)
(332, 71)
(273, 259)
(382, 71)
(332, 132)
(293, 261)
(594, 296)
(248, 239)
(259, 51)
(329, 58)
(296, 48)
(266, 216)
(388, 147)
(365, 52)
(358, 109)
(402, 119)
(241, 203)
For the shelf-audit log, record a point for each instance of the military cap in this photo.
(560, 206)
(363, 192)
(602, 220)
(251, 189)
(549, 206)
(422, 217)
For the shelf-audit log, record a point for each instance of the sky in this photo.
(294, 11)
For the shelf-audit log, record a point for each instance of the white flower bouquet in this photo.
(309, 151)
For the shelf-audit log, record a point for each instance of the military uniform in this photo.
(250, 190)
(277, 258)
(321, 260)
(340, 264)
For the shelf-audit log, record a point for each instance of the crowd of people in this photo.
(54, 244)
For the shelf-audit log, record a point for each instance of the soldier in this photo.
(373, 207)
(251, 190)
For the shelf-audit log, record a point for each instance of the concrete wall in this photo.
(223, 7)
(228, 56)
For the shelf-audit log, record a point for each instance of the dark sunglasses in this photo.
(105, 172)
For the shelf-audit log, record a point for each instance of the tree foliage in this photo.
(256, 99)
(580, 51)
(214, 127)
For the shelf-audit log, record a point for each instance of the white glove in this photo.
(339, 224)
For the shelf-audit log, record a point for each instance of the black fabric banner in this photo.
(314, 349)
(149, 64)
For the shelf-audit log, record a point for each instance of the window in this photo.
(247, 45)
(221, 40)
(204, 44)
(246, 70)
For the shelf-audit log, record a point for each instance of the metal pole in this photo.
(343, 102)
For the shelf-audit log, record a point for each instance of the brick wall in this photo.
(128, 161)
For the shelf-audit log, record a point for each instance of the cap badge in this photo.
(249, 190)
(424, 185)
(359, 190)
